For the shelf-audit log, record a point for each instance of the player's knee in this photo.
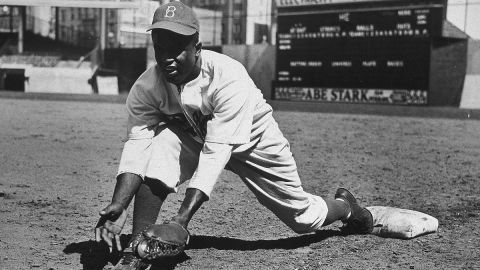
(300, 228)
(301, 223)
(158, 187)
(296, 226)
(166, 134)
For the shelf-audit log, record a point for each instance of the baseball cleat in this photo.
(360, 220)
(129, 261)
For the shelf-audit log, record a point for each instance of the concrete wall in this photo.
(58, 80)
(471, 87)
(473, 57)
(448, 67)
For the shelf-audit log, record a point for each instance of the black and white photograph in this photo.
(239, 134)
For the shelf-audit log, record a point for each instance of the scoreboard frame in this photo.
(330, 60)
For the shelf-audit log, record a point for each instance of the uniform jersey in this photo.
(221, 108)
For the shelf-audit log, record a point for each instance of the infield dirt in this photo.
(59, 158)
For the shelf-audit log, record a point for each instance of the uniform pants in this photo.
(267, 168)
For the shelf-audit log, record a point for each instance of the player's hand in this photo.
(110, 225)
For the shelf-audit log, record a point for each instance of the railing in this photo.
(34, 60)
(93, 56)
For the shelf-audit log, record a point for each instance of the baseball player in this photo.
(190, 116)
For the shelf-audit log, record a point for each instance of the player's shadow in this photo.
(228, 243)
(95, 256)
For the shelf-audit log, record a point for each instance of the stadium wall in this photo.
(473, 63)
(66, 80)
(471, 86)
(448, 67)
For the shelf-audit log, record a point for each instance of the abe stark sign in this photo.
(351, 95)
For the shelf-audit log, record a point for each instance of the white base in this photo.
(400, 223)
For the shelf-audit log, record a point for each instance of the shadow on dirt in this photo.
(226, 243)
(95, 256)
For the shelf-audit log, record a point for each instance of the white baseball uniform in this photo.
(192, 131)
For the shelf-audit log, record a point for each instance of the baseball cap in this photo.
(176, 17)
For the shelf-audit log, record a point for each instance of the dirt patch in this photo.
(58, 160)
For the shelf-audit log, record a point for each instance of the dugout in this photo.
(12, 79)
(368, 51)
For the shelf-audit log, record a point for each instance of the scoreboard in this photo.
(374, 55)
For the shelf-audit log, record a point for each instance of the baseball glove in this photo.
(161, 240)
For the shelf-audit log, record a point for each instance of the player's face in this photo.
(176, 55)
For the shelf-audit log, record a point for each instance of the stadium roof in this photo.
(74, 3)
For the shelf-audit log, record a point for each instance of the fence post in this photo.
(21, 28)
(11, 19)
(103, 24)
(57, 24)
(466, 17)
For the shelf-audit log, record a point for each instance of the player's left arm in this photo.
(230, 125)
(212, 160)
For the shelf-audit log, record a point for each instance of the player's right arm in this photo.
(113, 217)
(144, 118)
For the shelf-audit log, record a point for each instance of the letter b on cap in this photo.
(170, 12)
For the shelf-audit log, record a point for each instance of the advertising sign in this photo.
(351, 95)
